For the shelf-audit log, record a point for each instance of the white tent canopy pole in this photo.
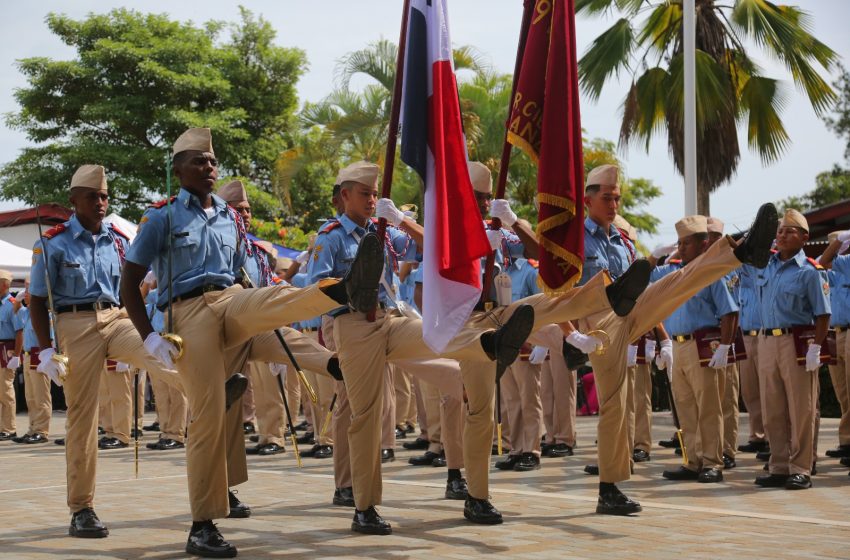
(689, 47)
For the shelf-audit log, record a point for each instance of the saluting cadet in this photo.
(10, 342)
(794, 297)
(83, 259)
(698, 387)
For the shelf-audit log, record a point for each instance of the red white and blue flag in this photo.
(433, 144)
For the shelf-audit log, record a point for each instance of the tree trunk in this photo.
(703, 195)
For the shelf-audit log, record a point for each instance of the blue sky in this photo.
(328, 29)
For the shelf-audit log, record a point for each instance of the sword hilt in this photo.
(310, 391)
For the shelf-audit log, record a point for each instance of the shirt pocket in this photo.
(187, 251)
(71, 280)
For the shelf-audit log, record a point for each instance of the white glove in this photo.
(664, 250)
(664, 360)
(302, 257)
(163, 351)
(538, 355)
(631, 355)
(813, 357)
(14, 362)
(150, 278)
(844, 236)
(49, 367)
(278, 369)
(649, 349)
(720, 359)
(494, 236)
(386, 209)
(586, 344)
(121, 367)
(501, 208)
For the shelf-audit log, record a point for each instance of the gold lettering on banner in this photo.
(543, 7)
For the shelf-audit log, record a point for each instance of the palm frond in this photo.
(608, 54)
(644, 107)
(377, 61)
(661, 27)
(594, 7)
(763, 100)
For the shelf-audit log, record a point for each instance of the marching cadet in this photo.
(81, 259)
(209, 246)
(11, 338)
(364, 346)
(36, 385)
(698, 387)
(558, 392)
(115, 409)
(794, 297)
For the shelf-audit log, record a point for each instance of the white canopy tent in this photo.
(16, 260)
(126, 226)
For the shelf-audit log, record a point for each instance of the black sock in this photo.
(606, 487)
(454, 474)
(196, 525)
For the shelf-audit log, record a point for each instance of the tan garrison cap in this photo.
(689, 225)
(623, 224)
(603, 175)
(199, 139)
(714, 225)
(482, 179)
(5, 275)
(361, 172)
(282, 265)
(233, 192)
(794, 218)
(89, 177)
(268, 247)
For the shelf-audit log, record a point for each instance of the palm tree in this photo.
(646, 41)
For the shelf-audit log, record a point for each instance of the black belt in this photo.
(347, 310)
(775, 332)
(752, 332)
(199, 291)
(840, 328)
(682, 337)
(93, 306)
(310, 329)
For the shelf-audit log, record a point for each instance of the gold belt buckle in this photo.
(680, 338)
(752, 333)
(776, 332)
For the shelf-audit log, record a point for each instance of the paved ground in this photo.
(549, 513)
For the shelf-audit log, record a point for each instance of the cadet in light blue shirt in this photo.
(523, 279)
(603, 250)
(8, 324)
(702, 310)
(792, 292)
(748, 299)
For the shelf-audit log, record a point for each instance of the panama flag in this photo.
(433, 144)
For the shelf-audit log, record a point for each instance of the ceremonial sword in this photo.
(58, 356)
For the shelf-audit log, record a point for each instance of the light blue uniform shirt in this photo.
(605, 251)
(205, 250)
(523, 279)
(30, 339)
(839, 295)
(336, 247)
(748, 298)
(9, 325)
(302, 280)
(156, 316)
(701, 311)
(792, 292)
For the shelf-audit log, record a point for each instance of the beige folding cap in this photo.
(690, 225)
(794, 218)
(5, 275)
(269, 248)
(199, 139)
(482, 179)
(233, 192)
(714, 225)
(89, 177)
(623, 224)
(361, 172)
(603, 175)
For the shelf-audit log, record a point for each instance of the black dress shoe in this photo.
(4, 436)
(270, 449)
(324, 452)
(166, 444)
(752, 447)
(234, 388)
(678, 451)
(839, 452)
(557, 450)
(456, 489)
(509, 463)
(772, 480)
(134, 432)
(86, 525)
(59, 441)
(111, 443)
(344, 497)
(18, 439)
(592, 470)
(527, 462)
(763, 455)
(417, 444)
(624, 292)
(423, 460)
(238, 509)
(387, 455)
(798, 482)
(248, 428)
(481, 511)
(101, 431)
(845, 461)
(369, 522)
(409, 429)
(814, 470)
(729, 462)
(151, 427)
(359, 287)
(205, 540)
(256, 438)
(302, 426)
(400, 433)
(503, 344)
(755, 250)
(614, 502)
(710, 475)
(439, 461)
(681, 473)
(672, 443)
(36, 438)
(640, 456)
(308, 438)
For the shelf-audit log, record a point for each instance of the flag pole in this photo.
(689, 51)
(392, 134)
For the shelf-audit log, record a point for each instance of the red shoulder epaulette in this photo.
(815, 263)
(260, 247)
(119, 232)
(534, 263)
(773, 251)
(674, 261)
(54, 231)
(374, 220)
(330, 227)
(12, 299)
(624, 233)
(162, 203)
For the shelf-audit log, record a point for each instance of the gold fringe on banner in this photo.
(569, 212)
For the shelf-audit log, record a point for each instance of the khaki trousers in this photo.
(698, 392)
(788, 405)
(750, 388)
(388, 410)
(117, 389)
(404, 399)
(643, 407)
(7, 401)
(249, 407)
(558, 393)
(731, 391)
(526, 424)
(270, 413)
(509, 397)
(171, 409)
(840, 375)
(39, 401)
(431, 400)
(612, 385)
(421, 418)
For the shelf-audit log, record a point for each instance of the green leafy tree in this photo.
(839, 122)
(135, 83)
(646, 43)
(830, 187)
